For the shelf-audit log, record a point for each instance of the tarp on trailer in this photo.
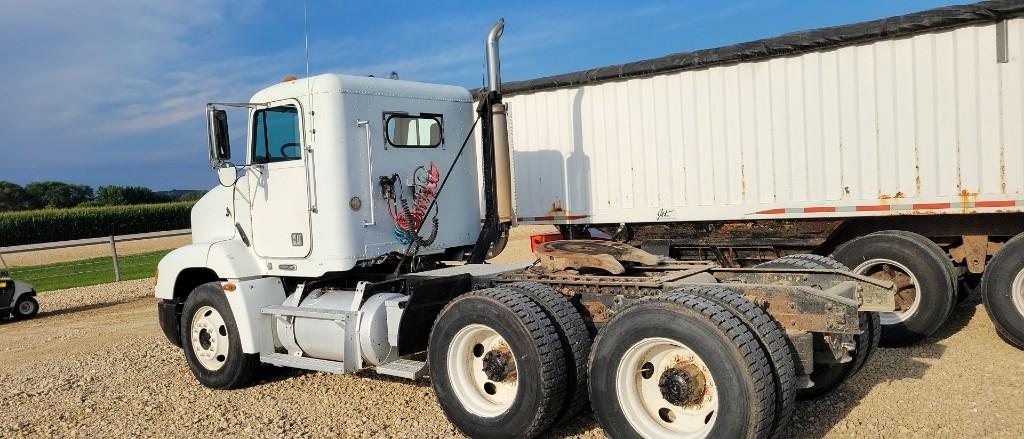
(785, 45)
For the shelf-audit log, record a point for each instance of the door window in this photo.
(276, 135)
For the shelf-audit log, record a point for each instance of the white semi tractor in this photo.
(351, 236)
(895, 146)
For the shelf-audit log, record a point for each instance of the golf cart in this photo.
(16, 298)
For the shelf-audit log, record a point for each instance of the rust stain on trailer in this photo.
(743, 182)
(967, 200)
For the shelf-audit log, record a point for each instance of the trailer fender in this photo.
(247, 300)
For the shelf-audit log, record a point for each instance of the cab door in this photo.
(278, 182)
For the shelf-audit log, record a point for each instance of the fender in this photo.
(189, 256)
(248, 298)
(229, 258)
(21, 289)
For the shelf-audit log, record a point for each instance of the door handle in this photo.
(369, 169)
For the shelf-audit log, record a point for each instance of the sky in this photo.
(114, 92)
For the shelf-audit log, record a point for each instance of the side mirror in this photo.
(220, 145)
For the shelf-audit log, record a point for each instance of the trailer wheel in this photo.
(26, 307)
(680, 365)
(496, 365)
(210, 340)
(1002, 290)
(576, 342)
(923, 274)
(827, 376)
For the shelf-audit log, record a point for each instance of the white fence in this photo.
(112, 240)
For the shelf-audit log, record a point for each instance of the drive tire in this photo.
(25, 307)
(922, 260)
(772, 339)
(237, 369)
(533, 342)
(1002, 291)
(828, 376)
(738, 365)
(574, 336)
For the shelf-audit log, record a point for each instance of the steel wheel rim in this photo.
(211, 341)
(1017, 292)
(639, 380)
(26, 307)
(480, 394)
(892, 318)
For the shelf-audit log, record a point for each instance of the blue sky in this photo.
(113, 92)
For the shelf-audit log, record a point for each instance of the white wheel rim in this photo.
(1018, 292)
(26, 307)
(210, 338)
(637, 384)
(875, 268)
(478, 393)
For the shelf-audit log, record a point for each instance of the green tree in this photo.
(122, 195)
(13, 197)
(56, 194)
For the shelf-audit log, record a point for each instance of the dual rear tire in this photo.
(1002, 290)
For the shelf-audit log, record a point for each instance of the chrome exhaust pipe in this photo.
(493, 60)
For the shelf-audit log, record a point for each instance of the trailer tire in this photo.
(25, 307)
(772, 339)
(827, 377)
(572, 332)
(711, 339)
(1002, 290)
(221, 364)
(471, 343)
(921, 264)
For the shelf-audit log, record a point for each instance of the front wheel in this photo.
(26, 307)
(210, 340)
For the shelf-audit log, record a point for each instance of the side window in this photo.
(408, 131)
(275, 136)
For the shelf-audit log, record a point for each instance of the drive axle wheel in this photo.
(496, 365)
(663, 386)
(210, 340)
(482, 370)
(680, 366)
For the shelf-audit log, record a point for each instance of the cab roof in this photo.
(338, 83)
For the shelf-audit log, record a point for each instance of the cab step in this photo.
(285, 360)
(409, 369)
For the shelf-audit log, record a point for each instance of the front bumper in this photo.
(168, 312)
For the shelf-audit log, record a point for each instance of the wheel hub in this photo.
(204, 339)
(682, 385)
(498, 365)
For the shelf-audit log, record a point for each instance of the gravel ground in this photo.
(94, 364)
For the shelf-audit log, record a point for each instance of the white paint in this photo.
(918, 119)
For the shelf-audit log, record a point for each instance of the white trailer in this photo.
(802, 143)
(349, 236)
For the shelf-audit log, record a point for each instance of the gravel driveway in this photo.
(94, 364)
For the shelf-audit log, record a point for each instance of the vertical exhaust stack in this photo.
(499, 127)
(495, 163)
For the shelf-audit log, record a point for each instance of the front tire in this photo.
(26, 307)
(496, 365)
(210, 340)
(680, 366)
(1002, 290)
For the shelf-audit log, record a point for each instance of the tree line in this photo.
(56, 194)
